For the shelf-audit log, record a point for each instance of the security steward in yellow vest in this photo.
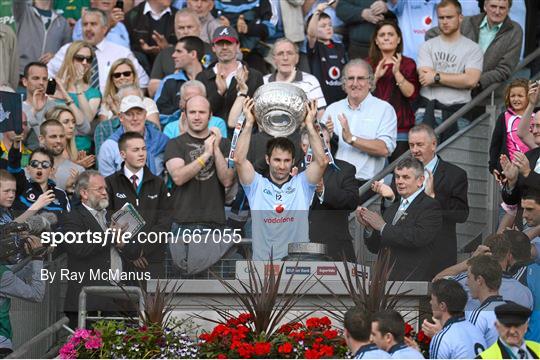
(512, 322)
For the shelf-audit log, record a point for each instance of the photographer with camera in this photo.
(13, 284)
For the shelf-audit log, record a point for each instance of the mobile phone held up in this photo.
(51, 87)
(119, 4)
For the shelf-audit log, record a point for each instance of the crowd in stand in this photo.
(151, 103)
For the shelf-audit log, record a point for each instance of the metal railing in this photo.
(489, 91)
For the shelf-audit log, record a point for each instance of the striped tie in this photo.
(94, 78)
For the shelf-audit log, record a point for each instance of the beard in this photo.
(98, 205)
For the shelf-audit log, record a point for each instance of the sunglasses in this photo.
(82, 58)
(118, 75)
(43, 164)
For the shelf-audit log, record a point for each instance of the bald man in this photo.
(199, 171)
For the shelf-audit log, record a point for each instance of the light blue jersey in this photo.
(402, 351)
(279, 214)
(484, 318)
(511, 290)
(458, 339)
(371, 351)
(533, 283)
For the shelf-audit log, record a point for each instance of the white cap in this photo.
(130, 102)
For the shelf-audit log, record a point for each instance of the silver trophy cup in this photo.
(280, 108)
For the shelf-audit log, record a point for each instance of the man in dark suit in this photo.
(444, 182)
(409, 228)
(336, 196)
(86, 258)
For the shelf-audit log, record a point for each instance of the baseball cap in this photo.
(225, 33)
(512, 314)
(130, 102)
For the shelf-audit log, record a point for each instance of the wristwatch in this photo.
(437, 78)
(241, 94)
(353, 139)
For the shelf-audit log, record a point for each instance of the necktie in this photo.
(400, 211)
(94, 77)
(522, 354)
(101, 219)
(134, 179)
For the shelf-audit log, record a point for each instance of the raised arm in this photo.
(181, 172)
(245, 169)
(315, 169)
(523, 127)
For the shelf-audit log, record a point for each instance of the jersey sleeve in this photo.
(440, 349)
(251, 189)
(307, 188)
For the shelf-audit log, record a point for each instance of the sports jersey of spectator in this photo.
(106, 52)
(9, 68)
(71, 9)
(498, 43)
(143, 22)
(118, 34)
(417, 17)
(533, 283)
(28, 191)
(42, 31)
(458, 339)
(256, 14)
(370, 351)
(326, 58)
(360, 18)
(402, 351)
(504, 139)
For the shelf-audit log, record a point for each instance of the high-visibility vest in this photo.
(495, 352)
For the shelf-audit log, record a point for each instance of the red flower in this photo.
(422, 337)
(262, 348)
(408, 329)
(244, 318)
(330, 334)
(312, 354)
(319, 340)
(285, 348)
(327, 351)
(312, 323)
(325, 321)
(222, 356)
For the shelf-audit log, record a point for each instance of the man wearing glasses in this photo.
(366, 126)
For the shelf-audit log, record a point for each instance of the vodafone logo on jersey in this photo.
(334, 73)
(427, 20)
(279, 208)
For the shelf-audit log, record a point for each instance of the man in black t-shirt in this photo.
(199, 171)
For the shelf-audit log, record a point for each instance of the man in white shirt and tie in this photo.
(95, 27)
(408, 228)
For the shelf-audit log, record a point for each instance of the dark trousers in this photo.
(358, 51)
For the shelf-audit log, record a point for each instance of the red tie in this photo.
(134, 179)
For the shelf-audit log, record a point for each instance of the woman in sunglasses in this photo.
(38, 192)
(123, 74)
(73, 87)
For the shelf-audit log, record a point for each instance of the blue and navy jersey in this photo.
(458, 339)
(402, 351)
(371, 351)
(484, 318)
